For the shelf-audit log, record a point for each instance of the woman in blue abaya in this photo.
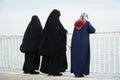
(80, 46)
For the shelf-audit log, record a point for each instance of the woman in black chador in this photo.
(53, 46)
(29, 46)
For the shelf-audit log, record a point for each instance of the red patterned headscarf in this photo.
(79, 24)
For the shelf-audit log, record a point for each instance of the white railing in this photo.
(10, 56)
(105, 52)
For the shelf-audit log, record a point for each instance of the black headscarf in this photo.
(54, 36)
(32, 35)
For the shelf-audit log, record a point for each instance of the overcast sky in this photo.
(15, 15)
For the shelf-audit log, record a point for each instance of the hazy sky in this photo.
(15, 15)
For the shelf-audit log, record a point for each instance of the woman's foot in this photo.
(25, 72)
(34, 72)
(79, 75)
(55, 74)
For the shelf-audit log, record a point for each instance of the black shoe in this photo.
(50, 74)
(34, 72)
(58, 74)
(79, 75)
(25, 72)
(55, 74)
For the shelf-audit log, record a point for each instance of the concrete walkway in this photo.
(10, 75)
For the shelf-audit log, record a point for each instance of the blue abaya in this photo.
(80, 49)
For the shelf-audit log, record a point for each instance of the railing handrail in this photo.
(67, 33)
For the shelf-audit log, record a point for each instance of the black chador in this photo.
(53, 46)
(31, 40)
